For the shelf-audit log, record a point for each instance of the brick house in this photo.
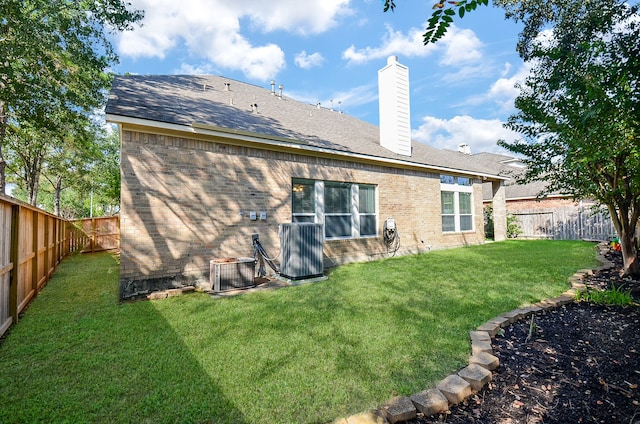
(207, 162)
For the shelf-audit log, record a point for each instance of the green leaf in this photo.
(461, 12)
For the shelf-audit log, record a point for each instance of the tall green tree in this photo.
(54, 58)
(68, 161)
(579, 109)
(78, 176)
(26, 151)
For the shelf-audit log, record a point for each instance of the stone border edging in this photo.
(469, 380)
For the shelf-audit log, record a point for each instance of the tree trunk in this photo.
(32, 189)
(56, 196)
(3, 163)
(625, 224)
(629, 254)
(32, 178)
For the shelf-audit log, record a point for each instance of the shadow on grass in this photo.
(78, 355)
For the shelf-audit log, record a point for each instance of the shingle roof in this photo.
(187, 99)
(507, 166)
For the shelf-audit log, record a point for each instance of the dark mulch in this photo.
(581, 365)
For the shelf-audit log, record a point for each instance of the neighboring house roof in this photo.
(511, 167)
(201, 103)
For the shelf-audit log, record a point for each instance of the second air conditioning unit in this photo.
(231, 273)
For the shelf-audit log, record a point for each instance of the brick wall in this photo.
(185, 202)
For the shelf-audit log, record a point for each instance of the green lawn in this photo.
(309, 353)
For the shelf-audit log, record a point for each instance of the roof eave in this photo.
(281, 142)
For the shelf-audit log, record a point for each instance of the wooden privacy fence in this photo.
(33, 242)
(566, 223)
(99, 233)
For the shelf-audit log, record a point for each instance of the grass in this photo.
(308, 354)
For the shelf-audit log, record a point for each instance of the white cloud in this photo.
(393, 43)
(307, 17)
(356, 96)
(308, 61)
(502, 93)
(212, 30)
(459, 47)
(187, 69)
(480, 134)
(343, 100)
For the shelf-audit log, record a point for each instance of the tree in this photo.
(26, 151)
(73, 173)
(54, 57)
(68, 161)
(579, 109)
(443, 16)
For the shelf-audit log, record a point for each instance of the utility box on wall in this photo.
(301, 253)
(231, 273)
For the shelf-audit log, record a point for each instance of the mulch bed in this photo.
(580, 365)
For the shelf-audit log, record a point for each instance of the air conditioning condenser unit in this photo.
(301, 247)
(231, 273)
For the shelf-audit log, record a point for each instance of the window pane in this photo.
(448, 223)
(465, 223)
(337, 226)
(447, 202)
(303, 197)
(303, 218)
(367, 199)
(447, 179)
(368, 225)
(337, 198)
(464, 181)
(465, 203)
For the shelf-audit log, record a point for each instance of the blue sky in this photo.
(329, 51)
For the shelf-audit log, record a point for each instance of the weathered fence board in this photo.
(5, 266)
(33, 242)
(566, 223)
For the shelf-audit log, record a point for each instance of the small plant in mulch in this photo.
(612, 296)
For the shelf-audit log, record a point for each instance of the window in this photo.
(456, 201)
(347, 210)
(367, 210)
(303, 201)
(448, 211)
(337, 210)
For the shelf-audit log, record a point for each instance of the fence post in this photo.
(14, 254)
(93, 235)
(35, 278)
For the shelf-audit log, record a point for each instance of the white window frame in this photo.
(319, 206)
(456, 189)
